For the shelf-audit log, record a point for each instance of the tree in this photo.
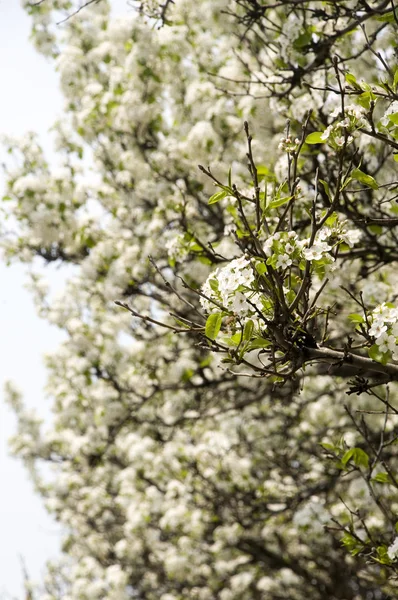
(227, 428)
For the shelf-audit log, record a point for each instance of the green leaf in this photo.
(352, 544)
(382, 478)
(272, 260)
(330, 221)
(314, 138)
(214, 284)
(375, 354)
(356, 318)
(217, 197)
(230, 177)
(264, 173)
(365, 179)
(393, 118)
(279, 202)
(213, 325)
(395, 79)
(248, 330)
(358, 456)
(329, 447)
(258, 343)
(388, 17)
(261, 268)
(395, 157)
(234, 340)
(345, 183)
(376, 229)
(302, 40)
(264, 199)
(365, 99)
(351, 79)
(326, 188)
(383, 558)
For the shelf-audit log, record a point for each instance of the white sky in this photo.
(29, 100)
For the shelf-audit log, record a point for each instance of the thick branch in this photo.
(362, 363)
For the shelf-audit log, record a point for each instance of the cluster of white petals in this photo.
(343, 132)
(384, 328)
(228, 287)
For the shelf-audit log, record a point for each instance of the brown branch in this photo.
(362, 363)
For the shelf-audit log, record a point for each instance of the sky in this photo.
(29, 100)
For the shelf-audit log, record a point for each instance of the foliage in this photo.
(225, 403)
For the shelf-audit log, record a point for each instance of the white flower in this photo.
(336, 112)
(316, 251)
(345, 123)
(393, 550)
(115, 576)
(392, 315)
(268, 246)
(283, 261)
(391, 110)
(377, 329)
(240, 304)
(355, 110)
(241, 581)
(325, 135)
(351, 237)
(237, 273)
(386, 342)
(265, 584)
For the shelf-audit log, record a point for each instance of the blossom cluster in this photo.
(388, 116)
(392, 550)
(384, 328)
(282, 248)
(288, 145)
(231, 287)
(343, 132)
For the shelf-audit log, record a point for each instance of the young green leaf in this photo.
(382, 478)
(375, 354)
(365, 179)
(261, 268)
(326, 188)
(356, 318)
(279, 202)
(329, 447)
(351, 79)
(217, 197)
(248, 330)
(213, 325)
(393, 118)
(315, 138)
(358, 456)
(258, 343)
(262, 170)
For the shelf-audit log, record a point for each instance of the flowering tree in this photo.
(225, 398)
